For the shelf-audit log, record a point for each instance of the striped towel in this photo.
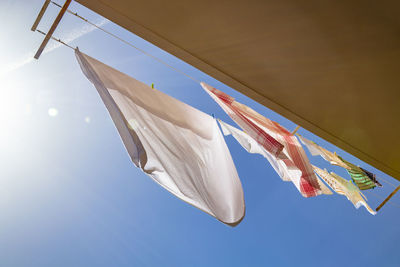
(287, 172)
(363, 178)
(372, 176)
(273, 137)
(227, 103)
(360, 178)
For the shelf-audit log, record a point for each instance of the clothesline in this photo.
(382, 198)
(306, 185)
(57, 39)
(144, 52)
(128, 43)
(381, 179)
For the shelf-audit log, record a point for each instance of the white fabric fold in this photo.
(178, 146)
(273, 137)
(285, 172)
(252, 146)
(317, 150)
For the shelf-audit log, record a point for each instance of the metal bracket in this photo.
(53, 26)
(40, 15)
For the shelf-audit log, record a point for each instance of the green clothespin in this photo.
(152, 85)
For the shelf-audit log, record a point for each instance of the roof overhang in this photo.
(330, 66)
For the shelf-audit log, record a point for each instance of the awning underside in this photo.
(330, 66)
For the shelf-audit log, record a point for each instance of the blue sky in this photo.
(69, 195)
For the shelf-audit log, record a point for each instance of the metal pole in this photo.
(387, 199)
(52, 29)
(40, 15)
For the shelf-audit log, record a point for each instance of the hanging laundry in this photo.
(253, 147)
(360, 178)
(178, 146)
(344, 187)
(317, 150)
(372, 176)
(273, 137)
(363, 179)
(234, 110)
(287, 173)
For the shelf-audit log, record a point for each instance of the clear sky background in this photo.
(69, 195)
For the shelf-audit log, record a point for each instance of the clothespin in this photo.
(212, 114)
(152, 85)
(295, 130)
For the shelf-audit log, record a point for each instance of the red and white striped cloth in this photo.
(273, 137)
(229, 105)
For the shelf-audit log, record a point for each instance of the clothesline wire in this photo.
(369, 192)
(382, 198)
(381, 179)
(140, 50)
(57, 39)
(128, 43)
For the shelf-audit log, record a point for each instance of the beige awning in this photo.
(332, 67)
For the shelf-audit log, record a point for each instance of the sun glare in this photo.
(12, 112)
(10, 104)
(53, 112)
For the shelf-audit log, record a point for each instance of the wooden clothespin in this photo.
(295, 130)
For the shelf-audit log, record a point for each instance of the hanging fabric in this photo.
(235, 111)
(178, 146)
(372, 176)
(363, 179)
(317, 150)
(344, 187)
(285, 172)
(273, 137)
(360, 178)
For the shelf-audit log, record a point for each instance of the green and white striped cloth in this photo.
(360, 178)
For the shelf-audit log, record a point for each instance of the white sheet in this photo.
(178, 146)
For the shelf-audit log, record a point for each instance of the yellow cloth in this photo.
(316, 150)
(344, 187)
